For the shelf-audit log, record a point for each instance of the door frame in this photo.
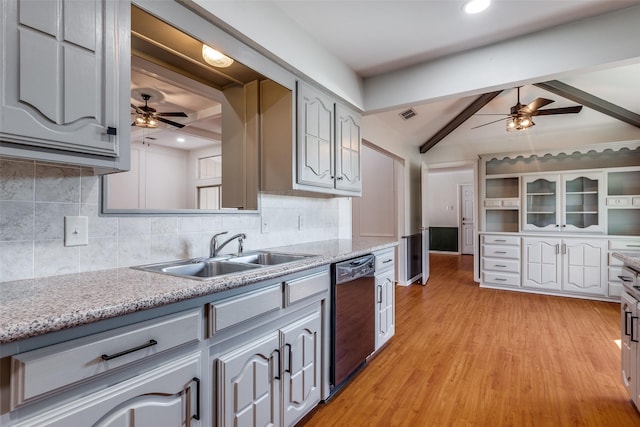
(460, 218)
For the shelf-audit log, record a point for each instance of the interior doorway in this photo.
(467, 218)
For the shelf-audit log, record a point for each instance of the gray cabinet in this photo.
(65, 93)
(281, 366)
(385, 296)
(326, 155)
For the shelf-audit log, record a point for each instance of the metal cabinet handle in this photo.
(500, 252)
(500, 240)
(633, 246)
(196, 416)
(131, 350)
(379, 294)
(500, 279)
(387, 261)
(557, 248)
(112, 131)
(632, 333)
(500, 265)
(277, 376)
(564, 248)
(340, 178)
(626, 323)
(625, 279)
(289, 370)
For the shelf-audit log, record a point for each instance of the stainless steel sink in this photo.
(267, 258)
(202, 269)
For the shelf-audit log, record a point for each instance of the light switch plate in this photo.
(76, 231)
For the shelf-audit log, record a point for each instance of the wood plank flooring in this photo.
(465, 356)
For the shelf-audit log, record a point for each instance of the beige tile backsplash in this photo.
(35, 197)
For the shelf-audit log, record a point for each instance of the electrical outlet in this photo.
(76, 231)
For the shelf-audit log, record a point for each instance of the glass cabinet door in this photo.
(582, 195)
(542, 202)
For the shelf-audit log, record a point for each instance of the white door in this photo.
(585, 266)
(249, 384)
(425, 224)
(541, 263)
(301, 367)
(467, 221)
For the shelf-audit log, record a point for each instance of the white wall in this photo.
(442, 196)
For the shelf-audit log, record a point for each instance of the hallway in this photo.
(465, 356)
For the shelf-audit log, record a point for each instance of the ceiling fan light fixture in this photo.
(145, 121)
(519, 123)
(475, 6)
(215, 58)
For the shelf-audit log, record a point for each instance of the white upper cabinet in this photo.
(65, 93)
(316, 138)
(348, 149)
(564, 202)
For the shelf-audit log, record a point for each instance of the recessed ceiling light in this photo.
(215, 58)
(180, 139)
(475, 6)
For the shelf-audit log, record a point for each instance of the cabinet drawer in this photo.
(299, 289)
(615, 273)
(619, 201)
(625, 244)
(501, 279)
(232, 311)
(385, 260)
(509, 266)
(511, 203)
(615, 289)
(46, 369)
(501, 240)
(495, 251)
(492, 203)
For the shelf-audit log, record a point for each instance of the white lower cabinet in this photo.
(629, 345)
(571, 265)
(500, 262)
(385, 276)
(272, 380)
(167, 396)
(385, 323)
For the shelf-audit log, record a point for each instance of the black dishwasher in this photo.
(353, 317)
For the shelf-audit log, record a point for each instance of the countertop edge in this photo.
(180, 289)
(632, 261)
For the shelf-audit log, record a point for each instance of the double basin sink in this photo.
(208, 268)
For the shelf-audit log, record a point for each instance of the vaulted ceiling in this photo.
(382, 36)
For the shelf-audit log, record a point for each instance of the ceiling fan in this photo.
(148, 117)
(520, 116)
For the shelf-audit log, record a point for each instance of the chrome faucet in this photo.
(215, 247)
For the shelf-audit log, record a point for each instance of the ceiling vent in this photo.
(408, 113)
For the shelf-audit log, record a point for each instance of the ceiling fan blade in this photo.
(174, 114)
(169, 122)
(495, 121)
(533, 106)
(138, 110)
(564, 110)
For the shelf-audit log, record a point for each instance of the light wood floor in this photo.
(465, 356)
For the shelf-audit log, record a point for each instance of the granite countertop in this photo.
(630, 259)
(34, 307)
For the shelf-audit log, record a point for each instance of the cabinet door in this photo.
(628, 346)
(582, 207)
(65, 70)
(584, 266)
(542, 204)
(301, 367)
(348, 143)
(541, 263)
(168, 396)
(315, 138)
(385, 323)
(249, 384)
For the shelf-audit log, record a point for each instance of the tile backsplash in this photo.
(35, 197)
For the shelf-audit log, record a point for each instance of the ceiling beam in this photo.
(473, 108)
(591, 101)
